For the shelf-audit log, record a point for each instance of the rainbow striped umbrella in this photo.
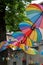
(25, 28)
(20, 37)
(36, 35)
(35, 13)
(33, 33)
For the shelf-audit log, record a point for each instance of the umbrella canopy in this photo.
(35, 13)
(31, 51)
(25, 28)
(6, 44)
(19, 36)
(22, 46)
(2, 47)
(33, 33)
(2, 43)
(36, 35)
(29, 42)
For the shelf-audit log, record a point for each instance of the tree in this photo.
(15, 14)
(2, 21)
(11, 17)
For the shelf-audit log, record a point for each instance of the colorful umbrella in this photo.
(19, 36)
(35, 13)
(14, 43)
(31, 51)
(29, 43)
(33, 33)
(22, 46)
(25, 28)
(36, 35)
(2, 43)
(2, 47)
(5, 44)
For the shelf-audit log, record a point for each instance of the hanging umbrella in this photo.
(25, 28)
(35, 13)
(5, 44)
(33, 33)
(29, 43)
(21, 40)
(14, 44)
(19, 36)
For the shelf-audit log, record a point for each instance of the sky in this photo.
(37, 1)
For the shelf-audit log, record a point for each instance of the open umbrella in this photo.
(25, 28)
(21, 40)
(33, 33)
(2, 47)
(35, 13)
(2, 43)
(19, 36)
(6, 44)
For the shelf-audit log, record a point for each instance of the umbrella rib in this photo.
(37, 19)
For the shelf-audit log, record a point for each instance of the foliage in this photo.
(14, 13)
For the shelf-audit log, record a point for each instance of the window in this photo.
(14, 63)
(24, 62)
